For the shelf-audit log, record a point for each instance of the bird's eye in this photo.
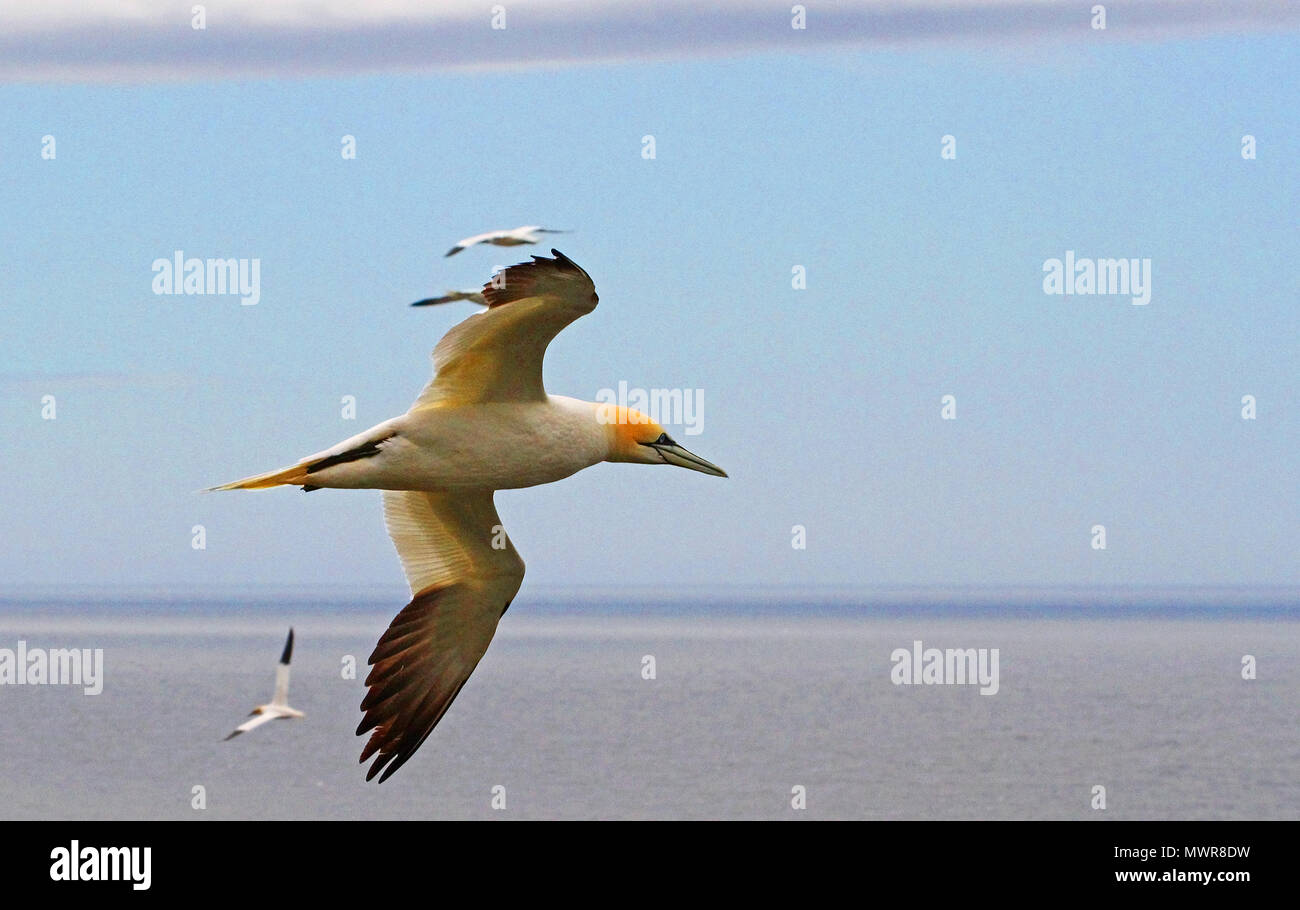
(663, 440)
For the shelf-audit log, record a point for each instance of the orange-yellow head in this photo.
(636, 438)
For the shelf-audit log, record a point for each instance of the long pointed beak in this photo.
(675, 454)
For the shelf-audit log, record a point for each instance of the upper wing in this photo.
(281, 696)
(463, 572)
(255, 721)
(496, 355)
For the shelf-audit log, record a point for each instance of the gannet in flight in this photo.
(529, 233)
(474, 295)
(483, 423)
(279, 708)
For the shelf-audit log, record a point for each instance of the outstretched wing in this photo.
(496, 355)
(281, 696)
(476, 239)
(463, 572)
(255, 721)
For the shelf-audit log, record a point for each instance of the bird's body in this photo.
(483, 423)
(520, 236)
(278, 709)
(492, 446)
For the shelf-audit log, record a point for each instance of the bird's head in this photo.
(636, 438)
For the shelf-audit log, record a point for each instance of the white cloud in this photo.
(137, 40)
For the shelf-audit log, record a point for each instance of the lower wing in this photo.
(255, 721)
(463, 573)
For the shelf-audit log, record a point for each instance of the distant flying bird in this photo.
(474, 295)
(279, 708)
(484, 423)
(529, 233)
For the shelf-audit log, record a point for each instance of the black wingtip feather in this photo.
(400, 713)
(288, 648)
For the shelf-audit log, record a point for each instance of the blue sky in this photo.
(924, 279)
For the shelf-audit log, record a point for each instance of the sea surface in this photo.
(746, 705)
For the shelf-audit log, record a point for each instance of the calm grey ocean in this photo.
(744, 706)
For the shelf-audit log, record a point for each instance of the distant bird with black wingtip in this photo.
(520, 236)
(279, 708)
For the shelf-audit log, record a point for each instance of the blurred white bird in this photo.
(474, 295)
(279, 708)
(529, 233)
(484, 423)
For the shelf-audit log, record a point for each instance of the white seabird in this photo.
(529, 233)
(483, 423)
(279, 708)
